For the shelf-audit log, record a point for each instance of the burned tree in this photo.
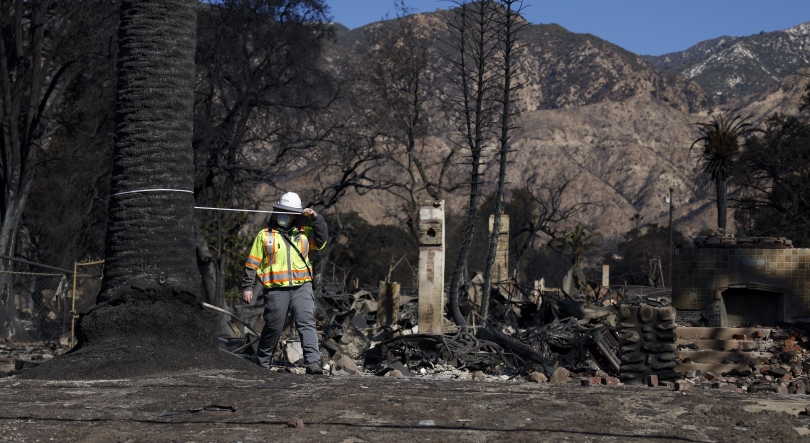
(774, 196)
(45, 46)
(147, 318)
(151, 216)
(37, 62)
(473, 38)
(510, 25)
(400, 98)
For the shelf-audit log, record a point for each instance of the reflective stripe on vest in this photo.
(270, 252)
(253, 262)
(283, 276)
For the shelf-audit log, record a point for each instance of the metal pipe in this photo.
(73, 308)
(53, 268)
(671, 256)
(233, 316)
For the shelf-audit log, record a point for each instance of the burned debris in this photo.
(528, 332)
(634, 339)
(583, 331)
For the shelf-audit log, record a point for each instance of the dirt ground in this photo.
(367, 408)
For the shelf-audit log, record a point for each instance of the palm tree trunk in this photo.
(151, 286)
(722, 203)
(147, 318)
(150, 234)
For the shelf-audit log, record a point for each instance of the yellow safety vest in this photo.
(278, 265)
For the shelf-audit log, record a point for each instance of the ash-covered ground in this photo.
(369, 408)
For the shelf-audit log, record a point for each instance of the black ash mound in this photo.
(139, 333)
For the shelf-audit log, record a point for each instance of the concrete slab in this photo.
(710, 367)
(715, 333)
(719, 357)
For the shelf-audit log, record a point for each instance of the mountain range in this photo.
(733, 67)
(621, 122)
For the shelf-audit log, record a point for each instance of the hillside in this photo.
(733, 67)
(561, 69)
(595, 109)
(627, 153)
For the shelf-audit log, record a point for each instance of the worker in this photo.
(279, 258)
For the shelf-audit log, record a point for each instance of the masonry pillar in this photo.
(605, 276)
(500, 271)
(431, 267)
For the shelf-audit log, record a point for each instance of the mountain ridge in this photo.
(595, 109)
(733, 67)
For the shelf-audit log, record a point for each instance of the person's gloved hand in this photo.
(309, 213)
(247, 295)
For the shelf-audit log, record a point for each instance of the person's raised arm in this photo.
(321, 232)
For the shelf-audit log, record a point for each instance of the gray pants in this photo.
(300, 300)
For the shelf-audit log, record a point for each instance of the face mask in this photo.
(283, 220)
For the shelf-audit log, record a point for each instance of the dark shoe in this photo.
(255, 360)
(251, 358)
(315, 369)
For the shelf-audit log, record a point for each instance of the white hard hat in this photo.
(289, 202)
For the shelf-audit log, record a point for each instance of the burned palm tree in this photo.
(147, 318)
(721, 147)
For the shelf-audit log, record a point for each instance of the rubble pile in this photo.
(766, 360)
(726, 240)
(529, 336)
(595, 336)
(601, 337)
(17, 357)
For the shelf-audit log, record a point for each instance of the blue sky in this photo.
(652, 27)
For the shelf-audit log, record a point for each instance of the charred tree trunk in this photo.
(150, 234)
(508, 33)
(147, 318)
(472, 37)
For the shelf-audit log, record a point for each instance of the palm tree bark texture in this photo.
(147, 318)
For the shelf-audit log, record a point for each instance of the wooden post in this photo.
(671, 245)
(388, 304)
(431, 267)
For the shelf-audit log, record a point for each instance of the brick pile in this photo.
(777, 361)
